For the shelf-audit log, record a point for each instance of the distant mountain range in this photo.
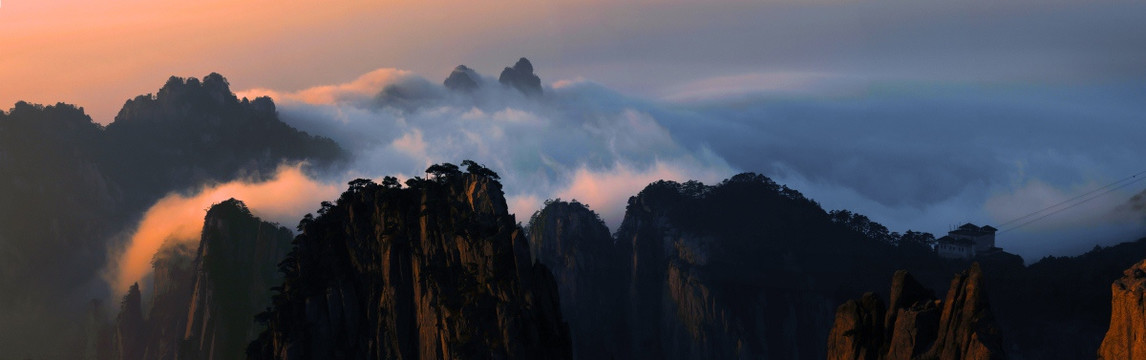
(438, 268)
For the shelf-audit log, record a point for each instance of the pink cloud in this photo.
(177, 218)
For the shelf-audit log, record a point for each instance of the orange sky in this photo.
(97, 54)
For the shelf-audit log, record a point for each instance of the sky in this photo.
(920, 114)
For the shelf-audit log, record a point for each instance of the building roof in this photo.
(954, 241)
(973, 230)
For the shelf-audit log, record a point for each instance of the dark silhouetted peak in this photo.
(263, 104)
(521, 77)
(229, 208)
(436, 270)
(571, 226)
(206, 298)
(463, 78)
(195, 131)
(701, 259)
(235, 269)
(523, 66)
(572, 240)
(213, 90)
(915, 325)
(1126, 338)
(129, 326)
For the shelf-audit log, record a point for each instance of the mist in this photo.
(924, 156)
(177, 219)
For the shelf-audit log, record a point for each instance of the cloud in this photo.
(757, 83)
(576, 137)
(1038, 200)
(610, 190)
(919, 155)
(178, 218)
(363, 88)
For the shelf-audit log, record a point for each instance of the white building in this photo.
(967, 242)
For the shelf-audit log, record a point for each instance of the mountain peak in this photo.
(463, 78)
(521, 77)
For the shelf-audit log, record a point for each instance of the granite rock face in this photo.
(204, 300)
(435, 270)
(129, 326)
(744, 269)
(916, 325)
(1126, 338)
(233, 274)
(572, 240)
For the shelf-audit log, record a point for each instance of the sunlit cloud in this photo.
(608, 191)
(179, 219)
(580, 140)
(363, 88)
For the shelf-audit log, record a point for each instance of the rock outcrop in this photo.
(234, 272)
(130, 331)
(521, 77)
(205, 299)
(573, 241)
(192, 132)
(463, 79)
(915, 325)
(435, 270)
(743, 269)
(69, 186)
(1126, 338)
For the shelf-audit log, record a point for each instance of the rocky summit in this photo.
(434, 270)
(521, 77)
(204, 302)
(916, 325)
(463, 79)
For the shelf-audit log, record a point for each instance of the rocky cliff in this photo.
(744, 269)
(1126, 338)
(130, 330)
(234, 272)
(69, 186)
(916, 325)
(573, 241)
(205, 298)
(434, 270)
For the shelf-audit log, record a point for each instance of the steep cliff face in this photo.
(1126, 338)
(434, 270)
(573, 241)
(173, 271)
(130, 331)
(743, 269)
(916, 325)
(205, 298)
(234, 272)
